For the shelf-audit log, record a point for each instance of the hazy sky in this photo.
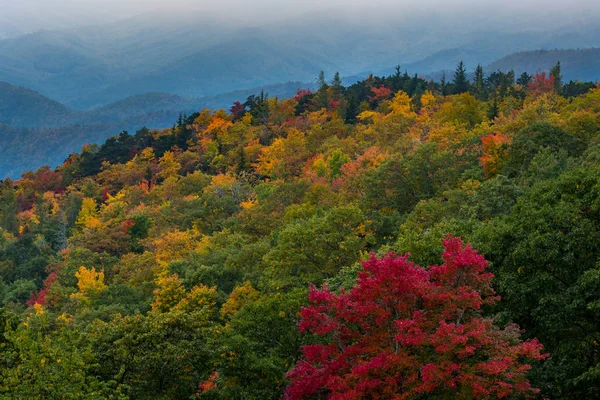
(30, 15)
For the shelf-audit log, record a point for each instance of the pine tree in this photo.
(321, 98)
(336, 85)
(336, 82)
(492, 111)
(444, 84)
(555, 73)
(524, 79)
(321, 82)
(479, 89)
(461, 84)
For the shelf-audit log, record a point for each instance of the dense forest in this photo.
(397, 238)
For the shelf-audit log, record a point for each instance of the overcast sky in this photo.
(31, 15)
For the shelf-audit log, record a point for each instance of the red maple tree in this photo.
(406, 331)
(41, 296)
(541, 84)
(302, 93)
(379, 94)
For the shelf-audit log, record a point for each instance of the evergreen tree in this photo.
(492, 111)
(524, 79)
(321, 98)
(444, 85)
(461, 84)
(479, 89)
(8, 207)
(336, 85)
(556, 74)
(336, 82)
(321, 82)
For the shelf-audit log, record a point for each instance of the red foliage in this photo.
(237, 110)
(45, 180)
(40, 297)
(105, 195)
(209, 384)
(302, 93)
(541, 84)
(352, 178)
(379, 94)
(127, 225)
(334, 104)
(404, 331)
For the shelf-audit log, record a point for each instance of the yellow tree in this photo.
(240, 296)
(88, 215)
(90, 283)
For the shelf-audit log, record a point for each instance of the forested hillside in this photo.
(582, 64)
(21, 107)
(36, 131)
(316, 247)
(192, 51)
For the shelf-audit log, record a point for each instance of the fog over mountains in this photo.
(85, 62)
(78, 72)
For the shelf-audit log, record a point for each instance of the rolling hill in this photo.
(36, 131)
(53, 130)
(583, 65)
(196, 56)
(21, 107)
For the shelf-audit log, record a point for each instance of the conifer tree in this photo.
(461, 84)
(479, 89)
(524, 79)
(444, 84)
(556, 74)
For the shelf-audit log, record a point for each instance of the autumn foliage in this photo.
(495, 147)
(542, 83)
(405, 331)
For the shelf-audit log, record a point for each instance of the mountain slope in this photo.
(245, 63)
(36, 131)
(583, 65)
(193, 56)
(21, 107)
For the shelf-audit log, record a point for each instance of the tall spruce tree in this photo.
(478, 88)
(524, 79)
(556, 74)
(461, 83)
(444, 85)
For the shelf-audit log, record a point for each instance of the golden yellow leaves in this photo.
(90, 283)
(427, 99)
(39, 309)
(168, 166)
(248, 204)
(284, 157)
(174, 246)
(240, 296)
(170, 294)
(401, 104)
(88, 216)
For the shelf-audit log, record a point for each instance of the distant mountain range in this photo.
(49, 130)
(36, 131)
(89, 67)
(582, 65)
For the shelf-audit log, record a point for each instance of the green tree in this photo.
(555, 74)
(478, 87)
(460, 81)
